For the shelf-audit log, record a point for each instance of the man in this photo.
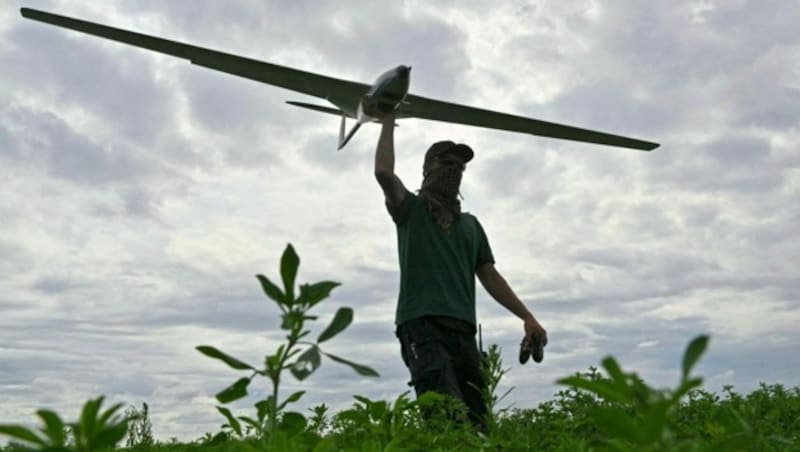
(441, 250)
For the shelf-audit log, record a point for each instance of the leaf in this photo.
(109, 436)
(219, 438)
(212, 352)
(616, 424)
(655, 422)
(352, 415)
(235, 425)
(292, 319)
(107, 415)
(736, 441)
(263, 407)
(312, 294)
(53, 427)
(693, 353)
(360, 369)
(234, 392)
(685, 387)
(272, 291)
(89, 416)
(292, 423)
(377, 410)
(289, 264)
(614, 371)
(601, 388)
(306, 363)
(251, 422)
(21, 433)
(343, 318)
(328, 445)
(291, 399)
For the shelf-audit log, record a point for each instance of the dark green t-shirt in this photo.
(437, 266)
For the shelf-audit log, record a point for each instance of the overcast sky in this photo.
(141, 194)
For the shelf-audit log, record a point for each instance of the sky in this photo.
(141, 195)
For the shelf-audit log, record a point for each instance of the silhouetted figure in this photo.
(441, 250)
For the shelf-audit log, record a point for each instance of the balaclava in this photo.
(440, 190)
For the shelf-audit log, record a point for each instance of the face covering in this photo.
(440, 190)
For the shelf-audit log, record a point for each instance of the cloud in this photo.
(47, 139)
(142, 194)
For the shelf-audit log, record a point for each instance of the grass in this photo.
(612, 410)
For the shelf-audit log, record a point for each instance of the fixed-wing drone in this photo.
(389, 93)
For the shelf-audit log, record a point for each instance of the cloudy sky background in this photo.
(141, 194)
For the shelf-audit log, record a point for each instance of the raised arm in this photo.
(498, 288)
(393, 188)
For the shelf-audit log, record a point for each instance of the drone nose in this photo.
(403, 71)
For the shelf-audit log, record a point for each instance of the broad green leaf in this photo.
(231, 420)
(251, 422)
(53, 427)
(286, 321)
(685, 387)
(263, 407)
(273, 364)
(291, 399)
(655, 421)
(616, 424)
(106, 415)
(109, 436)
(360, 369)
(291, 319)
(693, 353)
(736, 441)
(601, 388)
(21, 433)
(212, 352)
(615, 372)
(89, 416)
(343, 318)
(281, 441)
(306, 363)
(352, 415)
(312, 294)
(219, 438)
(272, 291)
(329, 445)
(234, 392)
(292, 423)
(377, 409)
(289, 264)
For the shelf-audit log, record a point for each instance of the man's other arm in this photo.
(498, 288)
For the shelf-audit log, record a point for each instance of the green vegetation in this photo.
(272, 424)
(611, 411)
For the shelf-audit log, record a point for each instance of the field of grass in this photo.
(767, 419)
(602, 410)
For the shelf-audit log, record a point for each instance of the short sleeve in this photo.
(401, 212)
(485, 255)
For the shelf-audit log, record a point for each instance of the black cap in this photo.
(460, 150)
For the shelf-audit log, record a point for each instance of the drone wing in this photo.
(422, 107)
(343, 93)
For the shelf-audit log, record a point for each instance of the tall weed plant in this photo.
(298, 355)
